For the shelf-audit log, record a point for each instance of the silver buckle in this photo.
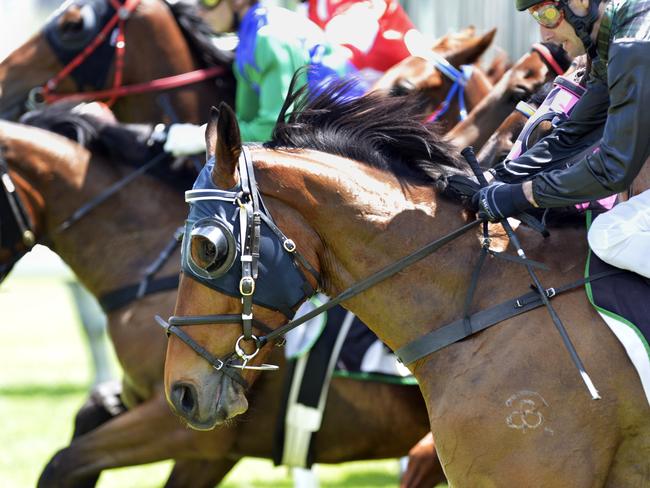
(247, 286)
(289, 245)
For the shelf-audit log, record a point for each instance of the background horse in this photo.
(353, 183)
(429, 75)
(542, 64)
(160, 40)
(110, 250)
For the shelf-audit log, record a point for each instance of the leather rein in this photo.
(249, 200)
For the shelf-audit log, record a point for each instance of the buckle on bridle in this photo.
(289, 245)
(241, 353)
(246, 286)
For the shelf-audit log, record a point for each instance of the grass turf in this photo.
(45, 374)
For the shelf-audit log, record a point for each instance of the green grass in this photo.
(45, 374)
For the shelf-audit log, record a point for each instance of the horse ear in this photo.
(211, 133)
(472, 50)
(223, 141)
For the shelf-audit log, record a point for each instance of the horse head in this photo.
(446, 69)
(92, 50)
(215, 254)
(26, 172)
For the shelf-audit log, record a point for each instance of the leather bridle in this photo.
(113, 31)
(252, 214)
(18, 228)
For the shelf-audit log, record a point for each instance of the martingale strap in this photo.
(467, 326)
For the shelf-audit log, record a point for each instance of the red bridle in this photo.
(122, 12)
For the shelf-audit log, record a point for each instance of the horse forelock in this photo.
(382, 131)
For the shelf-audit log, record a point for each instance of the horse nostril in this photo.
(184, 398)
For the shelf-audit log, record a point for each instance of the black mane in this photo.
(126, 144)
(199, 35)
(386, 132)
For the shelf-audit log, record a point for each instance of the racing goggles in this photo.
(209, 4)
(548, 14)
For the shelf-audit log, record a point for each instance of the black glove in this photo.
(500, 200)
(462, 188)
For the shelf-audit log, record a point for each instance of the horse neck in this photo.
(156, 48)
(112, 245)
(484, 118)
(366, 221)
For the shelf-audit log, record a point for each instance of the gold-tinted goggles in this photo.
(547, 14)
(209, 4)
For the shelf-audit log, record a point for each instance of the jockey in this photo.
(616, 36)
(273, 43)
(373, 31)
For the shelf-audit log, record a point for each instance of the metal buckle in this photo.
(289, 245)
(247, 286)
(550, 293)
(221, 364)
(29, 239)
(35, 98)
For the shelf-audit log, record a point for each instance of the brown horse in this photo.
(110, 249)
(355, 184)
(528, 74)
(425, 74)
(160, 40)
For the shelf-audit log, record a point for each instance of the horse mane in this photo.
(382, 131)
(199, 35)
(126, 144)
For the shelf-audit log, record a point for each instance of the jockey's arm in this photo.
(257, 113)
(578, 133)
(626, 143)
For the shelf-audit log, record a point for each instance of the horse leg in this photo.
(199, 473)
(103, 404)
(145, 434)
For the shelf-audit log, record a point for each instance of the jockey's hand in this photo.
(185, 139)
(499, 201)
(461, 188)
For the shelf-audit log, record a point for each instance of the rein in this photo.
(45, 94)
(18, 210)
(249, 237)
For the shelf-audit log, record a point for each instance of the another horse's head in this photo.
(437, 71)
(152, 41)
(29, 155)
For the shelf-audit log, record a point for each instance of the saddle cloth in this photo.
(623, 302)
(362, 356)
(335, 343)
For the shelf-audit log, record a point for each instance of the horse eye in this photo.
(208, 248)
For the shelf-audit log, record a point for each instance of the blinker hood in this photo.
(280, 284)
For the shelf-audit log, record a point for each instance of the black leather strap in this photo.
(458, 330)
(121, 297)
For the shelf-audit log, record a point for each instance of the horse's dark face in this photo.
(18, 200)
(527, 75)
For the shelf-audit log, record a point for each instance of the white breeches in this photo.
(621, 236)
